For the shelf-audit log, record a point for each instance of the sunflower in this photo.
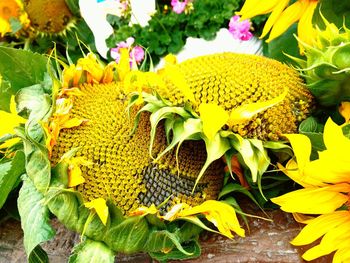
(56, 19)
(235, 103)
(326, 192)
(12, 11)
(102, 158)
(283, 16)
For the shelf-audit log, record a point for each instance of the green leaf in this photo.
(5, 95)
(215, 148)
(310, 124)
(10, 171)
(233, 187)
(192, 247)
(91, 251)
(22, 68)
(130, 236)
(38, 255)
(34, 217)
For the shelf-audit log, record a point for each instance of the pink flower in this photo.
(240, 29)
(136, 52)
(178, 6)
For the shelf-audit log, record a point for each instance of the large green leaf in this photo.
(10, 171)
(91, 251)
(34, 216)
(22, 68)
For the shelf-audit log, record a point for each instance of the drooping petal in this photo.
(245, 112)
(74, 176)
(222, 215)
(213, 118)
(99, 205)
(314, 200)
(289, 16)
(319, 226)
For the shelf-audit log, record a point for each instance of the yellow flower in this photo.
(283, 16)
(11, 9)
(10, 120)
(326, 192)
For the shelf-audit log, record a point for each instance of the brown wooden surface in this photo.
(265, 242)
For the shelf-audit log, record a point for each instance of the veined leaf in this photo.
(9, 173)
(38, 255)
(5, 95)
(91, 251)
(17, 67)
(34, 217)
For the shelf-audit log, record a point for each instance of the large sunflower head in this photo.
(12, 11)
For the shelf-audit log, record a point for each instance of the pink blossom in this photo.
(240, 29)
(136, 52)
(178, 6)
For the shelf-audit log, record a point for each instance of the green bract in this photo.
(327, 64)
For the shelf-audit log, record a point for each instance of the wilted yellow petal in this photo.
(143, 210)
(319, 226)
(100, 207)
(74, 176)
(245, 112)
(74, 122)
(178, 79)
(10, 142)
(222, 215)
(302, 148)
(213, 118)
(301, 218)
(344, 110)
(317, 200)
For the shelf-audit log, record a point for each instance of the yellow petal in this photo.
(344, 110)
(334, 139)
(274, 16)
(289, 16)
(74, 122)
(320, 226)
(222, 215)
(124, 64)
(302, 148)
(301, 218)
(253, 8)
(74, 176)
(213, 118)
(100, 207)
(10, 142)
(245, 112)
(314, 200)
(143, 210)
(342, 254)
(178, 79)
(10, 120)
(306, 31)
